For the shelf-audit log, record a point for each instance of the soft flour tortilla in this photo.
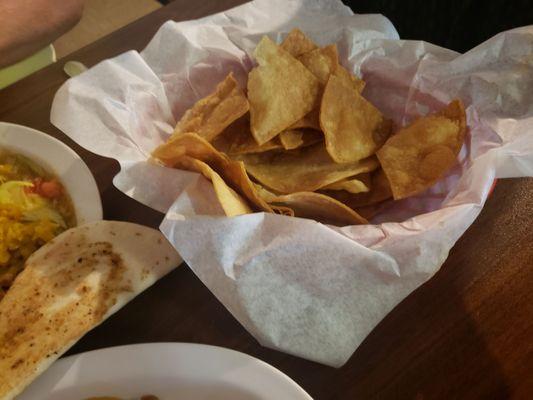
(68, 287)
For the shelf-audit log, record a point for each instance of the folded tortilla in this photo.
(68, 287)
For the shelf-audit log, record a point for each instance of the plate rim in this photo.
(64, 362)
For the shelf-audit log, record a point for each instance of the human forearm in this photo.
(29, 25)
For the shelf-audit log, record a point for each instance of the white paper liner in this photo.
(299, 286)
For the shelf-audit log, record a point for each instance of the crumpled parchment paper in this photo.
(308, 289)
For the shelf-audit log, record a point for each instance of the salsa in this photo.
(34, 208)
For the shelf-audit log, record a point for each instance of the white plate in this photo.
(171, 371)
(61, 160)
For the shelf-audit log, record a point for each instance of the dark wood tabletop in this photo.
(465, 334)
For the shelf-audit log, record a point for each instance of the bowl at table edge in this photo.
(60, 160)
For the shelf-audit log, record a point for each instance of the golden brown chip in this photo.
(322, 62)
(347, 78)
(380, 190)
(294, 138)
(357, 184)
(235, 132)
(309, 121)
(320, 207)
(306, 204)
(300, 170)
(248, 145)
(237, 139)
(264, 193)
(232, 172)
(232, 203)
(210, 115)
(296, 43)
(421, 153)
(280, 91)
(383, 132)
(368, 212)
(350, 123)
(283, 210)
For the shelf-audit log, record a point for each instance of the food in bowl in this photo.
(34, 208)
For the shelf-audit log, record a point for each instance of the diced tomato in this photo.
(49, 189)
(36, 185)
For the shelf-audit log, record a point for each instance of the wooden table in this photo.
(467, 333)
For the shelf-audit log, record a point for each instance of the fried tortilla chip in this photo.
(68, 287)
(296, 43)
(320, 207)
(421, 153)
(349, 79)
(237, 139)
(313, 205)
(237, 131)
(232, 203)
(353, 128)
(264, 193)
(280, 91)
(368, 212)
(301, 170)
(357, 184)
(310, 121)
(380, 190)
(294, 138)
(248, 145)
(283, 210)
(212, 114)
(321, 62)
(232, 172)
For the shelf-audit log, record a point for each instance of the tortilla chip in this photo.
(232, 203)
(380, 190)
(235, 132)
(232, 172)
(269, 197)
(368, 212)
(358, 184)
(350, 123)
(248, 145)
(264, 193)
(283, 210)
(280, 91)
(294, 138)
(237, 139)
(313, 205)
(301, 170)
(383, 132)
(321, 208)
(346, 77)
(310, 121)
(421, 153)
(296, 43)
(321, 62)
(210, 115)
(69, 286)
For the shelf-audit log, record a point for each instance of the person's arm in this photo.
(27, 26)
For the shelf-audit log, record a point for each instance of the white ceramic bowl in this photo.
(62, 161)
(170, 371)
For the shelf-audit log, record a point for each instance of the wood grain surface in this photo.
(466, 334)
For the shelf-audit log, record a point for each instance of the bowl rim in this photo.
(69, 167)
